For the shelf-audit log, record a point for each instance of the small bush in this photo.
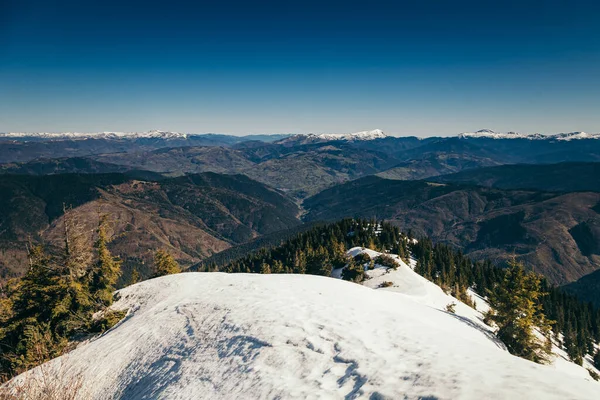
(594, 375)
(362, 258)
(109, 319)
(386, 261)
(385, 284)
(353, 272)
(451, 308)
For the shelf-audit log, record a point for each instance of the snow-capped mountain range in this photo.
(487, 133)
(309, 137)
(155, 134)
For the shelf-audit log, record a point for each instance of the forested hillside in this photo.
(562, 177)
(553, 233)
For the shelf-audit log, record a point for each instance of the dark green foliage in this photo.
(108, 319)
(362, 258)
(323, 248)
(135, 277)
(597, 359)
(165, 264)
(221, 259)
(54, 302)
(516, 309)
(107, 269)
(353, 272)
(386, 261)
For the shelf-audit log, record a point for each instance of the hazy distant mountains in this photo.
(301, 165)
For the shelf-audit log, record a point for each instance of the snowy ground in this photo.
(408, 283)
(244, 336)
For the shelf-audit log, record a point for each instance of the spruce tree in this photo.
(265, 269)
(597, 359)
(135, 277)
(516, 310)
(107, 268)
(165, 264)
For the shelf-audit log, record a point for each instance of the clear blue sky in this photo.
(419, 67)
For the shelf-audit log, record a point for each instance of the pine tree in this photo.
(516, 310)
(277, 267)
(265, 269)
(135, 277)
(165, 264)
(41, 315)
(106, 270)
(597, 359)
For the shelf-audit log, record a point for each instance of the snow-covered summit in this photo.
(323, 137)
(97, 135)
(576, 135)
(223, 336)
(364, 135)
(488, 133)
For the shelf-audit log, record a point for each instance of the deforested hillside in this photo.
(193, 216)
(545, 230)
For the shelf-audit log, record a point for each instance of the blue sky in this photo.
(422, 68)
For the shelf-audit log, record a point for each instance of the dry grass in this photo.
(50, 381)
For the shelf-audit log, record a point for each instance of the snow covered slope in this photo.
(241, 336)
(408, 283)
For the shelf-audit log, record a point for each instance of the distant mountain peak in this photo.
(324, 137)
(488, 133)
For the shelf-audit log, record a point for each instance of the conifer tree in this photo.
(597, 359)
(135, 277)
(165, 264)
(516, 310)
(277, 267)
(106, 270)
(265, 269)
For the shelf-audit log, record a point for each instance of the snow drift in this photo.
(216, 335)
